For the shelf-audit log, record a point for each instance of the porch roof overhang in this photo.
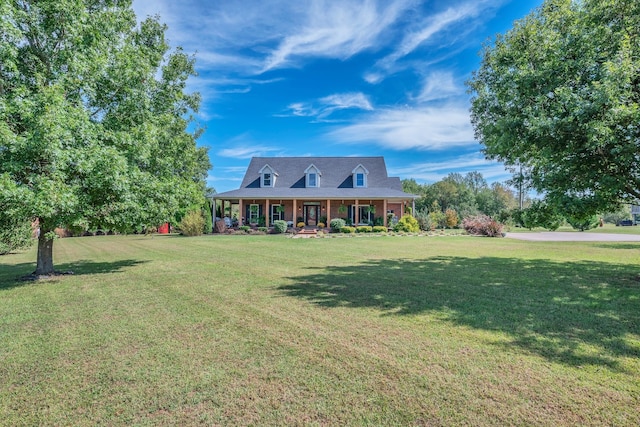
(315, 194)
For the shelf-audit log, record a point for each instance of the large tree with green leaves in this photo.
(93, 119)
(559, 96)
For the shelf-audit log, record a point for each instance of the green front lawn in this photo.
(268, 330)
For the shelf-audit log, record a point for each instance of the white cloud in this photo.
(423, 128)
(324, 107)
(436, 171)
(335, 30)
(431, 26)
(243, 147)
(438, 85)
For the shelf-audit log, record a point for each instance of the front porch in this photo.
(310, 212)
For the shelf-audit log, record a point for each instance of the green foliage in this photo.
(279, 226)
(192, 223)
(348, 229)
(14, 235)
(558, 95)
(540, 214)
(583, 223)
(244, 228)
(615, 217)
(208, 219)
(482, 225)
(337, 223)
(424, 220)
(94, 119)
(263, 229)
(407, 224)
(364, 229)
(379, 229)
(438, 219)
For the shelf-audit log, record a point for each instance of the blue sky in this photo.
(337, 78)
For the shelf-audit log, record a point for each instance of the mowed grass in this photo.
(267, 330)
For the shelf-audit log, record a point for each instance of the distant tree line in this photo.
(446, 203)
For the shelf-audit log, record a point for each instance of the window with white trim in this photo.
(254, 213)
(360, 177)
(277, 212)
(266, 180)
(312, 176)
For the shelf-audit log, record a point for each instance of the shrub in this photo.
(263, 229)
(379, 229)
(300, 224)
(407, 224)
(279, 226)
(244, 228)
(322, 220)
(336, 224)
(192, 223)
(321, 225)
(348, 229)
(378, 221)
(451, 218)
(424, 220)
(482, 225)
(364, 229)
(438, 219)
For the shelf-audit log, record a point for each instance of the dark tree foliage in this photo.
(559, 96)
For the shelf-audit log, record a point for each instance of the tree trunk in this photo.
(45, 254)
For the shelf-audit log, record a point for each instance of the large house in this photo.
(317, 189)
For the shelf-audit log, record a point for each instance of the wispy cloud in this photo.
(436, 171)
(243, 147)
(425, 128)
(324, 107)
(425, 32)
(438, 85)
(336, 30)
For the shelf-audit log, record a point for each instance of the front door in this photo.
(311, 215)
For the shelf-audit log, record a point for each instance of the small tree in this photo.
(451, 218)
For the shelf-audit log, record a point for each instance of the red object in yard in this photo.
(164, 228)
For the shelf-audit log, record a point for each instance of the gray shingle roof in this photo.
(336, 180)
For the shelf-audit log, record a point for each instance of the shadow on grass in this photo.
(576, 313)
(11, 276)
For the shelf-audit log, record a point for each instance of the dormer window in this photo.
(360, 177)
(267, 176)
(313, 175)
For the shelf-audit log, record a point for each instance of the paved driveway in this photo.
(563, 236)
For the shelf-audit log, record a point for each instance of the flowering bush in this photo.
(300, 224)
(482, 225)
(379, 229)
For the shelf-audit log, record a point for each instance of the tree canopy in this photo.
(559, 94)
(94, 119)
